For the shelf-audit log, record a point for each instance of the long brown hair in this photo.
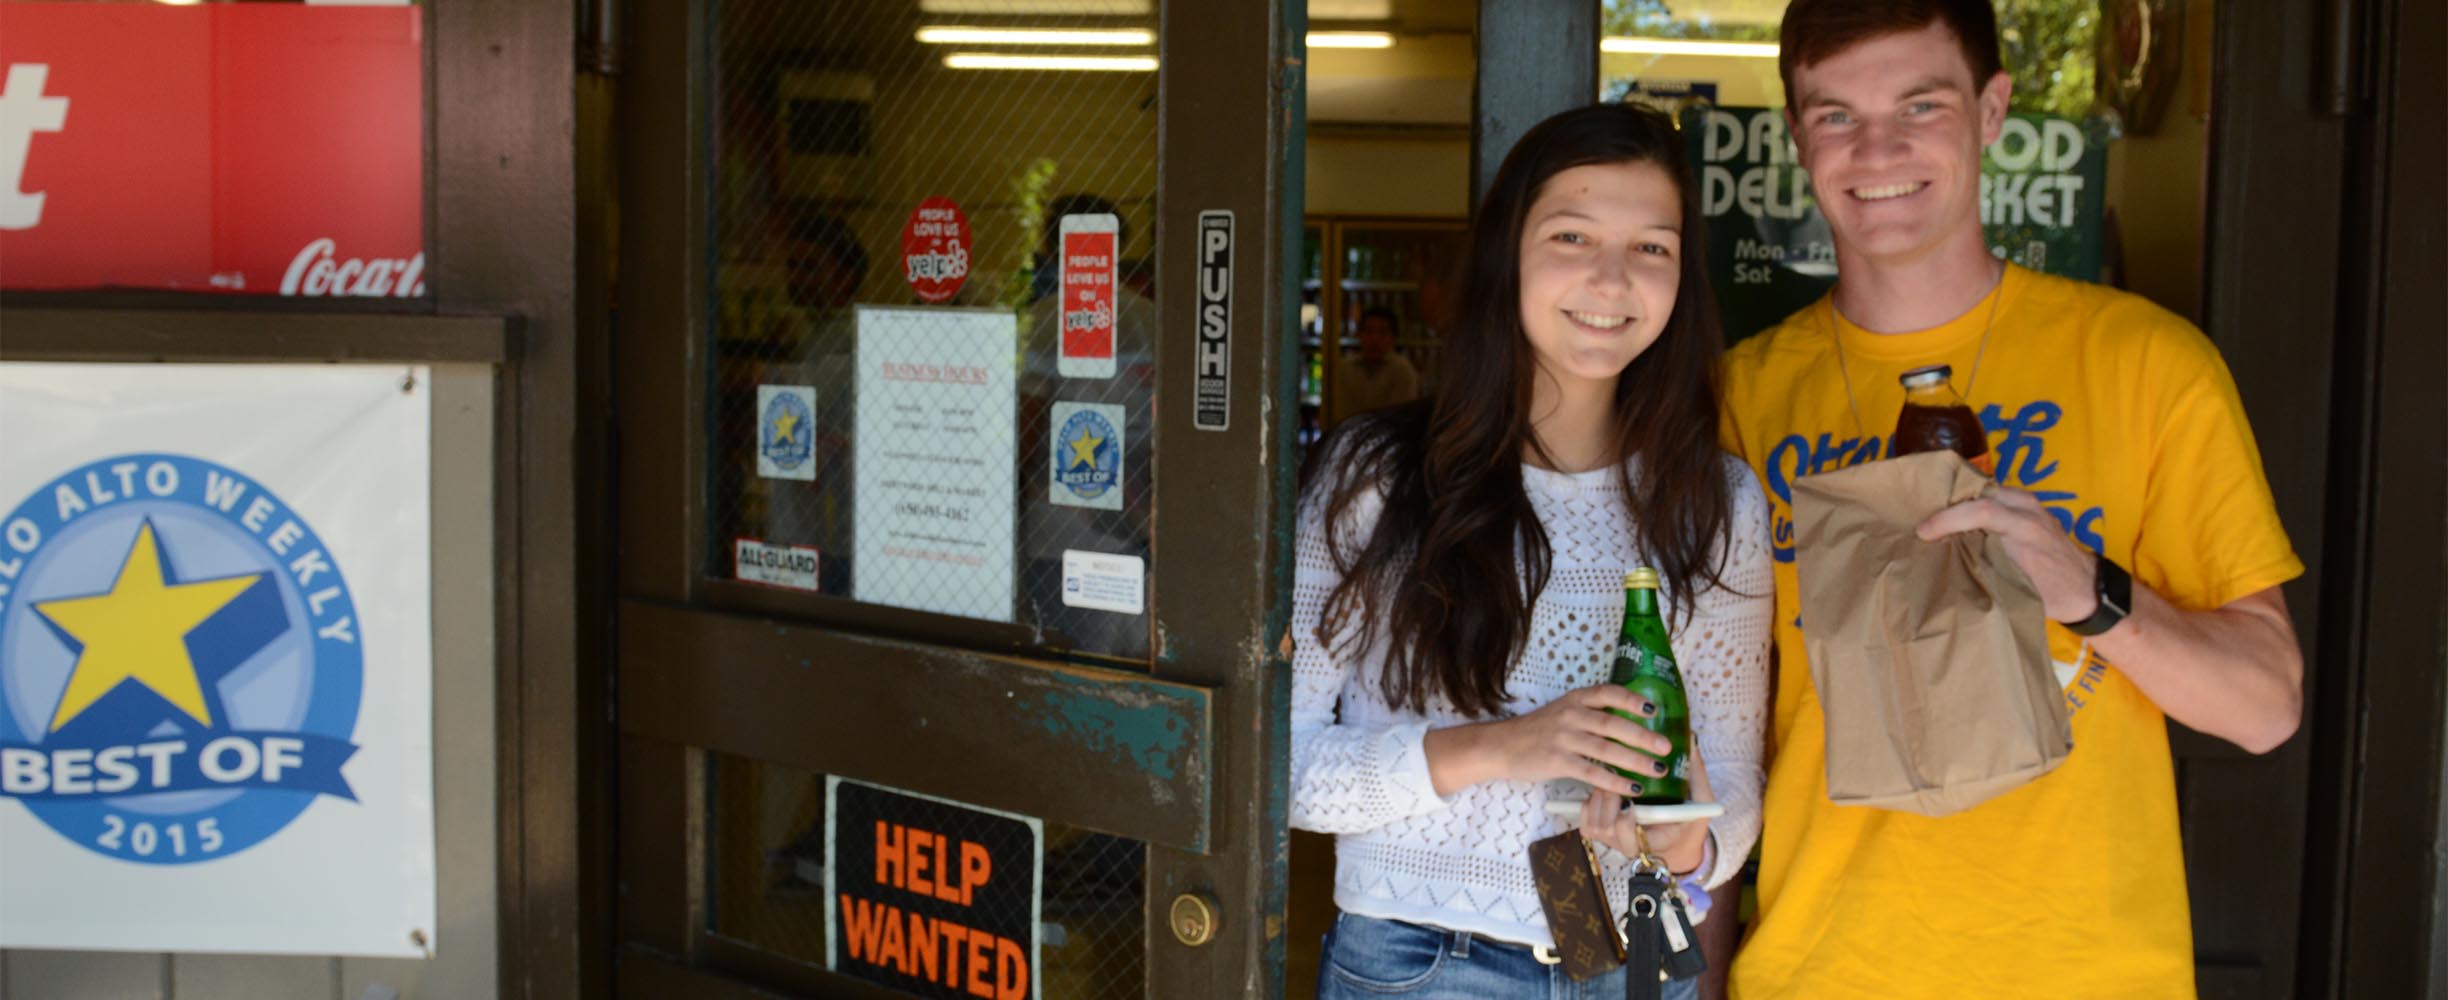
(1437, 577)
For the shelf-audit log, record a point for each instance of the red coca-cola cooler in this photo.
(266, 149)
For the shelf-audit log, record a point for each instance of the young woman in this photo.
(1460, 580)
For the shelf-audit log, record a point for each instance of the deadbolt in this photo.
(1194, 919)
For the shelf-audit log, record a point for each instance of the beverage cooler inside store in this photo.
(1407, 266)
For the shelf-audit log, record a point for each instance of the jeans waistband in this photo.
(1459, 943)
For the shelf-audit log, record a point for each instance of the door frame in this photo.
(2374, 879)
(708, 665)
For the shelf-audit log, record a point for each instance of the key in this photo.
(1683, 959)
(1645, 933)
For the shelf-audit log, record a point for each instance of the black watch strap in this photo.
(2114, 587)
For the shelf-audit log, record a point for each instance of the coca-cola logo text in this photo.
(24, 110)
(315, 271)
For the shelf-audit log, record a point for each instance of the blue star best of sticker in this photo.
(788, 437)
(180, 660)
(1090, 458)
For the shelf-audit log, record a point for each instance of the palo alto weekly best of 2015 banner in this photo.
(215, 659)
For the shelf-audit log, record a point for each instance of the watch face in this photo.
(2115, 592)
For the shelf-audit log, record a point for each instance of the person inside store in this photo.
(815, 342)
(1377, 377)
(2129, 491)
(826, 264)
(1460, 571)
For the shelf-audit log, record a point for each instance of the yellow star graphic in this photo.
(1084, 449)
(784, 426)
(138, 631)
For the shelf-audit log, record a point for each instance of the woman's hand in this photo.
(1570, 737)
(1605, 819)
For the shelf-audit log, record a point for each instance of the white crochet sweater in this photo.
(1461, 862)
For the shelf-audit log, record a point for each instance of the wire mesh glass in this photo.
(769, 857)
(933, 370)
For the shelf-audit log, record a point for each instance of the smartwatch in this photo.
(2114, 588)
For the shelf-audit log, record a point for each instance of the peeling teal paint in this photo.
(1150, 736)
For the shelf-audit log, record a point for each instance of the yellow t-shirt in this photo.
(2123, 420)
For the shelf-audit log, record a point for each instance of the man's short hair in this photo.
(1816, 30)
(832, 233)
(1080, 203)
(1381, 312)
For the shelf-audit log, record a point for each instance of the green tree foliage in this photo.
(1657, 19)
(2046, 44)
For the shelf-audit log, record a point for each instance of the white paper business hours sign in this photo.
(215, 659)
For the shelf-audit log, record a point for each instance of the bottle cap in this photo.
(1926, 375)
(1642, 578)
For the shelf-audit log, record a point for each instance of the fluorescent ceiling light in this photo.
(984, 60)
(1687, 47)
(1351, 40)
(1350, 10)
(1033, 7)
(944, 35)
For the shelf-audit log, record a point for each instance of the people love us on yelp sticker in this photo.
(935, 250)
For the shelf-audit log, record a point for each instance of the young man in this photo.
(1377, 377)
(2131, 494)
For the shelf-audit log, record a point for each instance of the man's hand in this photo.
(2234, 671)
(2064, 573)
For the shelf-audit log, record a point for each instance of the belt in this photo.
(1547, 955)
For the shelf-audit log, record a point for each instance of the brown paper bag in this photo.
(1930, 658)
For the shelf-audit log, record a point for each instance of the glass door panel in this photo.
(934, 312)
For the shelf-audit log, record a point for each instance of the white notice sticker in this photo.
(788, 566)
(1104, 582)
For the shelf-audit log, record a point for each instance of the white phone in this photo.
(1564, 800)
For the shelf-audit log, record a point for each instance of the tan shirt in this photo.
(1360, 387)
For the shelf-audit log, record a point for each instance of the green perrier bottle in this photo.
(1644, 664)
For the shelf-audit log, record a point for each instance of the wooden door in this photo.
(890, 532)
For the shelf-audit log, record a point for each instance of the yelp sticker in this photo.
(935, 250)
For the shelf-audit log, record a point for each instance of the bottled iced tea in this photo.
(1644, 663)
(1936, 419)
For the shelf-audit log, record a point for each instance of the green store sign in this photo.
(2042, 185)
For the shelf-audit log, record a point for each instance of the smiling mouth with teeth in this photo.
(1596, 321)
(1888, 191)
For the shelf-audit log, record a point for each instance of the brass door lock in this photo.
(1193, 919)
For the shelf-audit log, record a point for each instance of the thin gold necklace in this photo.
(1997, 294)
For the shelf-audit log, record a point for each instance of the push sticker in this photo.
(180, 660)
(786, 432)
(1212, 394)
(1087, 449)
(1089, 276)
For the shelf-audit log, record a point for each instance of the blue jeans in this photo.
(1368, 959)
